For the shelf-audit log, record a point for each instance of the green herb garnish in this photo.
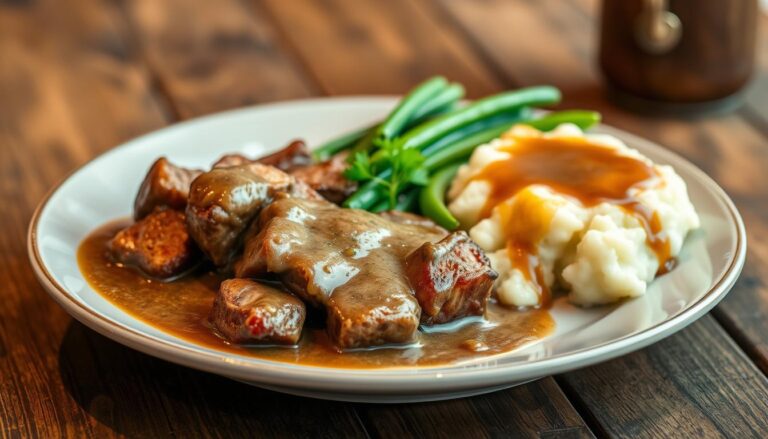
(391, 167)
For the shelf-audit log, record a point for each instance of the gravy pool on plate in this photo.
(182, 308)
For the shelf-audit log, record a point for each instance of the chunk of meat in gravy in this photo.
(327, 178)
(249, 311)
(349, 261)
(296, 154)
(451, 278)
(158, 244)
(229, 160)
(223, 202)
(166, 185)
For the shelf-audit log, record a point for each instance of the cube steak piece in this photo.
(223, 202)
(166, 185)
(452, 278)
(295, 155)
(248, 311)
(327, 178)
(158, 244)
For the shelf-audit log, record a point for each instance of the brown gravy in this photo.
(181, 308)
(589, 172)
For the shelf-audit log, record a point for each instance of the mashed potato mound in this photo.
(598, 253)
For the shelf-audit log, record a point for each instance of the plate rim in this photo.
(329, 378)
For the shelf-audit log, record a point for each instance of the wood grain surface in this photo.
(79, 80)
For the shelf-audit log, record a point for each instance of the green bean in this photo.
(368, 194)
(500, 121)
(584, 119)
(442, 102)
(427, 133)
(432, 197)
(408, 200)
(405, 202)
(331, 147)
(381, 206)
(462, 148)
(397, 120)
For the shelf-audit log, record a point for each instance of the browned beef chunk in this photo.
(224, 201)
(229, 160)
(296, 154)
(166, 185)
(327, 178)
(249, 311)
(451, 278)
(349, 261)
(158, 244)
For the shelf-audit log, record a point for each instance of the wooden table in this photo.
(80, 77)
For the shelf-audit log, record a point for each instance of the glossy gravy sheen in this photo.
(589, 172)
(181, 308)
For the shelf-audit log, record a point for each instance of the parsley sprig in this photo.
(392, 167)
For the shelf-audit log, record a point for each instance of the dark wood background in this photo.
(81, 76)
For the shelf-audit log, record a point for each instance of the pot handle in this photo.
(657, 30)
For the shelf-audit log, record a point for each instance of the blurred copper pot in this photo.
(680, 52)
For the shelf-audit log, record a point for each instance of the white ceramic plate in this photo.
(104, 189)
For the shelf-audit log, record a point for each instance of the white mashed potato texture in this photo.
(598, 253)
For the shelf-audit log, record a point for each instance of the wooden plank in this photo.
(77, 86)
(99, 372)
(214, 56)
(380, 60)
(64, 99)
(704, 395)
(727, 147)
(363, 47)
(533, 410)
